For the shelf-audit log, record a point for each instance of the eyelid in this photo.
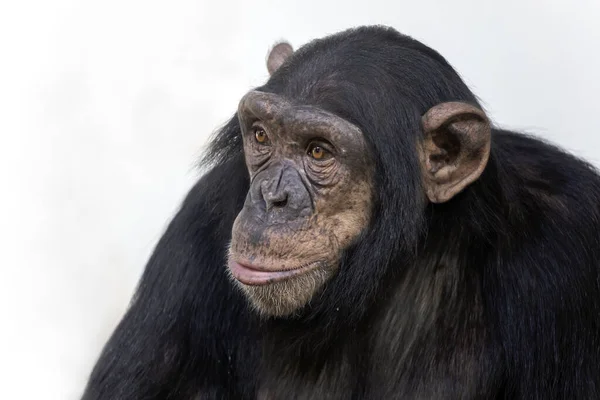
(256, 123)
(254, 128)
(322, 143)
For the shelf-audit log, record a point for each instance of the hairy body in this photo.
(489, 291)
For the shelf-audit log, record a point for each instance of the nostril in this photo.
(276, 200)
(280, 203)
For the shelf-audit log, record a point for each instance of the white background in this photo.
(106, 105)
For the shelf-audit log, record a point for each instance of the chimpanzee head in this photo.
(348, 138)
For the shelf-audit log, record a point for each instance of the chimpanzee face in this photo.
(310, 197)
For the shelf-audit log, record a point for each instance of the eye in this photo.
(260, 135)
(317, 152)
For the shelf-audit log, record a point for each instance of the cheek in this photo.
(325, 175)
(346, 212)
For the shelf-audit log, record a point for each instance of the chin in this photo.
(280, 293)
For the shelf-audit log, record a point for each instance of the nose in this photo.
(280, 193)
(274, 197)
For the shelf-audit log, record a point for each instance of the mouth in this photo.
(259, 276)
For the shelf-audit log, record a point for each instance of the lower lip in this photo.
(253, 276)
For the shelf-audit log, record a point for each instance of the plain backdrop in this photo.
(105, 107)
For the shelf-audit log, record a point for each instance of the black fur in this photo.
(492, 295)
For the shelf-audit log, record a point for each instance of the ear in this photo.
(277, 56)
(455, 148)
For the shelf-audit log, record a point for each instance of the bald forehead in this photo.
(282, 114)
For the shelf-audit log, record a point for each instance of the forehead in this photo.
(298, 119)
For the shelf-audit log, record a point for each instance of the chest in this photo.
(428, 370)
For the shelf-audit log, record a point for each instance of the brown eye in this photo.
(317, 152)
(260, 135)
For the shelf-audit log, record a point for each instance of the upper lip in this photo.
(257, 276)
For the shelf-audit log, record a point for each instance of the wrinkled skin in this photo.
(301, 212)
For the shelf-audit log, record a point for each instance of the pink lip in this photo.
(257, 276)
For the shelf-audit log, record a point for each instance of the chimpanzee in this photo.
(363, 231)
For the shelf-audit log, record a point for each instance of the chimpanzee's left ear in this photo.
(455, 148)
(277, 56)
